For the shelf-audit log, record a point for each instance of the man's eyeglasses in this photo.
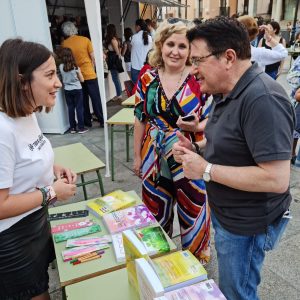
(197, 60)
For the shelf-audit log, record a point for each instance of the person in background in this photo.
(150, 27)
(297, 158)
(141, 43)
(112, 44)
(274, 30)
(163, 95)
(293, 79)
(294, 43)
(126, 49)
(262, 55)
(83, 53)
(71, 78)
(144, 69)
(246, 162)
(28, 84)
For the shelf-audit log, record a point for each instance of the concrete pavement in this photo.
(280, 274)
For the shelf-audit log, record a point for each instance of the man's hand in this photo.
(193, 164)
(183, 142)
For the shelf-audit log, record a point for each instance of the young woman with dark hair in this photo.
(274, 30)
(71, 77)
(28, 84)
(126, 49)
(112, 44)
(141, 43)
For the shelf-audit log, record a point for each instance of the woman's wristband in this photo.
(49, 195)
(197, 148)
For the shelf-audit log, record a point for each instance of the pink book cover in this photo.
(205, 290)
(71, 226)
(131, 217)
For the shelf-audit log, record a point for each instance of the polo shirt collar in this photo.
(244, 81)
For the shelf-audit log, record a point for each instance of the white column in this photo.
(278, 8)
(28, 20)
(93, 13)
(251, 11)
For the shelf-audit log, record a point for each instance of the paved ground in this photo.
(280, 275)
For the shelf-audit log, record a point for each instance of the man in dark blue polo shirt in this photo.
(246, 162)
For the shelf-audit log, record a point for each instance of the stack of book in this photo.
(205, 290)
(152, 238)
(111, 202)
(132, 217)
(174, 276)
(167, 273)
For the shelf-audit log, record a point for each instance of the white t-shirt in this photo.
(26, 159)
(266, 57)
(139, 50)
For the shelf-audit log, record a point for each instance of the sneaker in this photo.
(73, 130)
(84, 130)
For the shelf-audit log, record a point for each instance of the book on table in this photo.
(110, 202)
(152, 237)
(117, 242)
(173, 271)
(205, 290)
(131, 217)
(134, 249)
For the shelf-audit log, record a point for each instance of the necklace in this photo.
(173, 91)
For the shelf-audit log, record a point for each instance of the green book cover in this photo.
(153, 239)
(72, 234)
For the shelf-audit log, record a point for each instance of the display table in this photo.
(124, 117)
(80, 160)
(129, 101)
(111, 286)
(70, 274)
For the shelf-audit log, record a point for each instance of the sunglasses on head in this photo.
(176, 20)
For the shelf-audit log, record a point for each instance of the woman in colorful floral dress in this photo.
(164, 95)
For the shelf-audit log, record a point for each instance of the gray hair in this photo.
(69, 28)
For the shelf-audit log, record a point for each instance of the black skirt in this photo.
(26, 249)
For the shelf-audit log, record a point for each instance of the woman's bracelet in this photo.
(49, 195)
(197, 148)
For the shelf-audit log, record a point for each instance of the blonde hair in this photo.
(163, 32)
(251, 26)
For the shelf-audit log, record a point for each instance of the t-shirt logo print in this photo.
(38, 143)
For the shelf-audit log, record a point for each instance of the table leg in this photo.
(83, 186)
(127, 142)
(100, 182)
(112, 151)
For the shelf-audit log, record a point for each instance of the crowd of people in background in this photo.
(206, 137)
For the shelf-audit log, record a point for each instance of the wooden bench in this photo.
(80, 160)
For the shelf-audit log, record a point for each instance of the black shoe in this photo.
(84, 130)
(293, 160)
(88, 124)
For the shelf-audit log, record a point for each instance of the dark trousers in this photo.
(74, 99)
(91, 88)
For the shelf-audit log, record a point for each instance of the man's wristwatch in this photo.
(206, 175)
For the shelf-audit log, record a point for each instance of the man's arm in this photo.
(272, 176)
